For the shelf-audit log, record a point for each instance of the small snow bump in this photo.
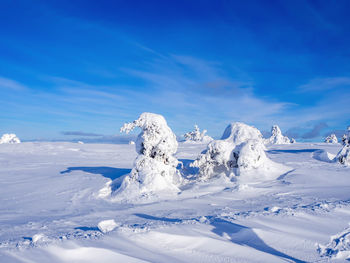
(106, 226)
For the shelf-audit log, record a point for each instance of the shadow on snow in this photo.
(238, 234)
(293, 151)
(245, 236)
(107, 172)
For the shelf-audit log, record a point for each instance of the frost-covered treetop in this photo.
(239, 132)
(156, 139)
(9, 138)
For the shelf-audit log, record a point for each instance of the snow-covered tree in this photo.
(343, 156)
(277, 136)
(197, 136)
(9, 138)
(240, 149)
(331, 139)
(155, 167)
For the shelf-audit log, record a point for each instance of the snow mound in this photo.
(196, 136)
(331, 139)
(338, 247)
(9, 138)
(323, 156)
(155, 167)
(240, 152)
(106, 226)
(277, 136)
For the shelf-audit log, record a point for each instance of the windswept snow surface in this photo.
(50, 210)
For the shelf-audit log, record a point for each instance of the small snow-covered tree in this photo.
(277, 136)
(197, 136)
(331, 139)
(343, 156)
(240, 149)
(9, 138)
(344, 139)
(155, 167)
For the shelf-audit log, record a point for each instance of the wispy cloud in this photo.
(11, 84)
(325, 84)
(80, 133)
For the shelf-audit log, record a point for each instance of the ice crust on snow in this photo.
(277, 136)
(155, 166)
(9, 138)
(196, 136)
(240, 151)
(331, 139)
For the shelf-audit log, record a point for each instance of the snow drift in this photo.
(277, 136)
(196, 136)
(331, 139)
(155, 167)
(9, 138)
(240, 152)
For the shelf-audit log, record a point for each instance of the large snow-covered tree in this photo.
(240, 150)
(155, 166)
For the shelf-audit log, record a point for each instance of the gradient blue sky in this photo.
(75, 67)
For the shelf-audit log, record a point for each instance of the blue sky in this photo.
(71, 69)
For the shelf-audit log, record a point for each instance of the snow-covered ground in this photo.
(50, 210)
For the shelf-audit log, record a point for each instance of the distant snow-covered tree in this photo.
(331, 139)
(197, 136)
(9, 138)
(241, 149)
(277, 136)
(155, 167)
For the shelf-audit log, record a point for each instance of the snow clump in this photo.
(240, 152)
(197, 136)
(9, 138)
(277, 136)
(331, 139)
(106, 226)
(155, 167)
